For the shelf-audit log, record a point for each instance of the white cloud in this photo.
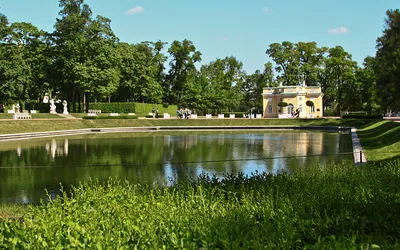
(136, 10)
(340, 30)
(266, 9)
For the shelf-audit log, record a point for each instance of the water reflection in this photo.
(28, 167)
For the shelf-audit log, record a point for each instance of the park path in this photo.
(67, 116)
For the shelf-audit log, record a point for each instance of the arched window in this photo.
(290, 108)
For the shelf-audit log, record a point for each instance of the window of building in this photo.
(290, 108)
(270, 99)
(269, 108)
(300, 108)
(312, 109)
(280, 99)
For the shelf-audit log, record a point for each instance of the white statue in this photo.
(65, 107)
(46, 98)
(17, 107)
(52, 107)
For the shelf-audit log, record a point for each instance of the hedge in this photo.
(146, 108)
(132, 107)
(360, 116)
(110, 117)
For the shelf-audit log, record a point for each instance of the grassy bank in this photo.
(380, 140)
(340, 207)
(21, 126)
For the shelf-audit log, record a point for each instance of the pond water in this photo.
(28, 167)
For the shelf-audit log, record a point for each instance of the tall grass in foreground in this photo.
(337, 207)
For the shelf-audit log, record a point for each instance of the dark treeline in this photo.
(83, 61)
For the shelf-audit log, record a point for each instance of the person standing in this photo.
(156, 113)
(153, 112)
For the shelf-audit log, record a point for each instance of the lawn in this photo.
(337, 207)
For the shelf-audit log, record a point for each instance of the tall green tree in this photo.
(287, 62)
(225, 78)
(310, 59)
(340, 73)
(367, 86)
(387, 66)
(184, 56)
(253, 87)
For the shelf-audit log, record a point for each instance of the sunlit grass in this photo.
(335, 207)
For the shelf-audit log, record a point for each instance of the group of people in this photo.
(155, 113)
(183, 113)
(296, 113)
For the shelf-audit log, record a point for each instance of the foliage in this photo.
(387, 65)
(113, 107)
(145, 108)
(309, 103)
(335, 207)
(362, 116)
(110, 117)
(282, 104)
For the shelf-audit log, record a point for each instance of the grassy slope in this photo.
(34, 116)
(380, 140)
(21, 126)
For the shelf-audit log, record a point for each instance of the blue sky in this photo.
(220, 28)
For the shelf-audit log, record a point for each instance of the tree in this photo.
(286, 58)
(253, 86)
(225, 78)
(340, 76)
(367, 85)
(310, 58)
(182, 65)
(387, 65)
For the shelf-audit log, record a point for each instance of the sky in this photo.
(220, 28)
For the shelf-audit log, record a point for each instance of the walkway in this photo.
(67, 116)
(358, 154)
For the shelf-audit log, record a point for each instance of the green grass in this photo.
(380, 140)
(338, 207)
(20, 126)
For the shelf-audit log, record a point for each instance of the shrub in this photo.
(113, 107)
(110, 117)
(282, 104)
(361, 116)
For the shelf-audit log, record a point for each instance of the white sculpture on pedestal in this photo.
(52, 107)
(65, 107)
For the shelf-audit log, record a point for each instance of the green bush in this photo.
(146, 108)
(113, 107)
(282, 104)
(101, 117)
(360, 116)
(309, 103)
(132, 107)
(329, 112)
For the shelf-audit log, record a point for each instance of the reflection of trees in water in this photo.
(142, 159)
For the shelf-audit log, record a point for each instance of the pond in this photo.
(28, 167)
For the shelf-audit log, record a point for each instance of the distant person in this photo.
(153, 112)
(156, 113)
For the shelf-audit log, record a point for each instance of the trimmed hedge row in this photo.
(132, 107)
(359, 116)
(110, 117)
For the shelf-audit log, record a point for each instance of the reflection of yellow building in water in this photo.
(296, 97)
